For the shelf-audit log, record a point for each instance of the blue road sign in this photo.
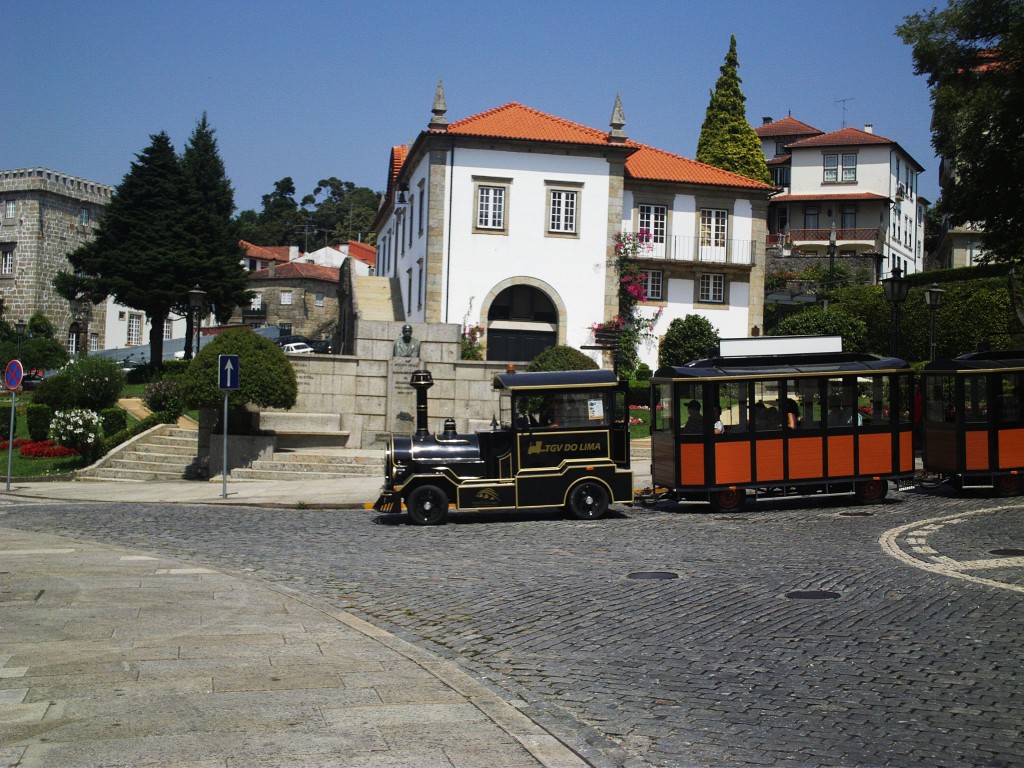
(13, 374)
(227, 370)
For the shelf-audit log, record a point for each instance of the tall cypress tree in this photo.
(726, 139)
(141, 243)
(215, 257)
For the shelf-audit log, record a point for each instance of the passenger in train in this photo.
(694, 419)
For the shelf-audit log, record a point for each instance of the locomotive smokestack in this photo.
(421, 381)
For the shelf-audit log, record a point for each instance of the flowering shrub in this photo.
(165, 396)
(46, 449)
(472, 347)
(78, 429)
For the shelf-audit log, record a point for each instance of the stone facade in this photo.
(44, 216)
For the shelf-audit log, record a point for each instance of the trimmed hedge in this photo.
(39, 416)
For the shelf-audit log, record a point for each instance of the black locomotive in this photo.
(563, 441)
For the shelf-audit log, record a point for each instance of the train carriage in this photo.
(817, 421)
(972, 422)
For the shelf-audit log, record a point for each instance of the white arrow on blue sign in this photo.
(227, 370)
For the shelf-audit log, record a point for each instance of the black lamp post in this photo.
(195, 301)
(933, 298)
(895, 289)
(20, 328)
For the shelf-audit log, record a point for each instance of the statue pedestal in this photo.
(401, 415)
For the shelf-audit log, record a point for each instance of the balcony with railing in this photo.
(819, 236)
(703, 251)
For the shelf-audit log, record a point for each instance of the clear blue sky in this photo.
(318, 89)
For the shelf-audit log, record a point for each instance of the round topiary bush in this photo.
(562, 358)
(93, 383)
(687, 338)
(266, 377)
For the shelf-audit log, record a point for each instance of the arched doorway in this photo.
(522, 321)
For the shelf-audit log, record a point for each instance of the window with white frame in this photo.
(83, 216)
(10, 209)
(134, 330)
(168, 329)
(850, 167)
(711, 288)
(319, 298)
(286, 298)
(713, 226)
(491, 207)
(7, 262)
(831, 163)
(256, 303)
(653, 280)
(653, 218)
(562, 211)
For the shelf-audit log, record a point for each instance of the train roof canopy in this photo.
(850, 363)
(556, 380)
(977, 361)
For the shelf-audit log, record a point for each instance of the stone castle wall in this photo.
(53, 214)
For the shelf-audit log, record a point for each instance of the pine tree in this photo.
(726, 139)
(141, 244)
(215, 256)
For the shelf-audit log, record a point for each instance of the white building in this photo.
(862, 184)
(507, 219)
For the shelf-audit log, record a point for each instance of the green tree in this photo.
(215, 256)
(834, 321)
(687, 338)
(562, 357)
(972, 53)
(141, 254)
(726, 139)
(266, 378)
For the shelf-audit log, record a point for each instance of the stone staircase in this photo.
(377, 298)
(321, 463)
(166, 452)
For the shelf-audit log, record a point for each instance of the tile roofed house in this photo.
(855, 182)
(507, 219)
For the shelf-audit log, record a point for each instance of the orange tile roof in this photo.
(787, 126)
(297, 270)
(266, 252)
(515, 121)
(362, 252)
(842, 138)
(649, 164)
(395, 163)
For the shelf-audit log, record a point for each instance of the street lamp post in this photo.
(20, 327)
(195, 301)
(895, 289)
(933, 298)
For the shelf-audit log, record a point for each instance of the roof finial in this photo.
(617, 121)
(439, 122)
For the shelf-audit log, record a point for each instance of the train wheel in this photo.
(588, 500)
(427, 505)
(871, 491)
(732, 500)
(1007, 485)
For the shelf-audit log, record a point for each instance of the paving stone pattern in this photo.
(717, 667)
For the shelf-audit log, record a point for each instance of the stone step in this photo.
(128, 475)
(338, 458)
(153, 462)
(319, 473)
(178, 450)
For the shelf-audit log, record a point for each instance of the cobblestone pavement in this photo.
(803, 632)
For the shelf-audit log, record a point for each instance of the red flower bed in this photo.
(45, 449)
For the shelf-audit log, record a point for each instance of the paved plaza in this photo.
(804, 631)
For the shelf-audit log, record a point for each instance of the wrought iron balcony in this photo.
(702, 250)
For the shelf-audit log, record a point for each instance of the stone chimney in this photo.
(765, 120)
(439, 122)
(869, 128)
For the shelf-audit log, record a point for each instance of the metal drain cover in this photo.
(812, 594)
(1007, 552)
(653, 575)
